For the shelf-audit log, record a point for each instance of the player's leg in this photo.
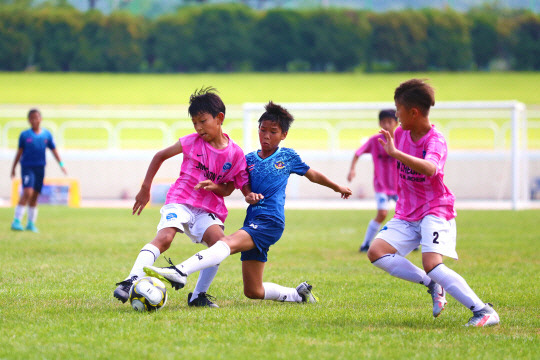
(28, 179)
(200, 296)
(374, 225)
(39, 173)
(387, 252)
(439, 238)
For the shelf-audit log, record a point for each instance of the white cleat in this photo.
(485, 317)
(439, 297)
(304, 290)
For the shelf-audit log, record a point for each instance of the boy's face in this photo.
(207, 126)
(388, 123)
(270, 135)
(34, 119)
(406, 116)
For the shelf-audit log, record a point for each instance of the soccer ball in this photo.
(148, 293)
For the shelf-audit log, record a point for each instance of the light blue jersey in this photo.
(269, 177)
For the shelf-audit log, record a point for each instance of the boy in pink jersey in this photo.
(425, 207)
(384, 174)
(208, 154)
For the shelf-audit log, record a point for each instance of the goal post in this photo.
(456, 119)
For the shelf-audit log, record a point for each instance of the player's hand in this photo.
(253, 198)
(13, 173)
(64, 170)
(141, 200)
(345, 192)
(207, 185)
(351, 175)
(388, 145)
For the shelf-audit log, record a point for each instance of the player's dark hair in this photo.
(32, 111)
(277, 114)
(205, 100)
(387, 113)
(415, 93)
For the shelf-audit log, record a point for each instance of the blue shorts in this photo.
(264, 232)
(32, 177)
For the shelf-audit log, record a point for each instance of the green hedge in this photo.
(231, 37)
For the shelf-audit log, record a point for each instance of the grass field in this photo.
(56, 290)
(95, 89)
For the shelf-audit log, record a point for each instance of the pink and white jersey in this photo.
(420, 195)
(384, 166)
(201, 162)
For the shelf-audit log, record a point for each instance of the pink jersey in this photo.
(420, 195)
(384, 166)
(201, 162)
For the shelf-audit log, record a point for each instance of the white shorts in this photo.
(433, 233)
(187, 219)
(383, 200)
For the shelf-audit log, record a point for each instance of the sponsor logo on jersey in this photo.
(279, 165)
(171, 216)
(227, 166)
(253, 225)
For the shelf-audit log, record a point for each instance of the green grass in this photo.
(56, 290)
(76, 88)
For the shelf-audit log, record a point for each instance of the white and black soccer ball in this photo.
(148, 294)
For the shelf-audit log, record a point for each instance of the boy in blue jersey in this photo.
(31, 153)
(269, 169)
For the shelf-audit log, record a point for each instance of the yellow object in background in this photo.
(55, 191)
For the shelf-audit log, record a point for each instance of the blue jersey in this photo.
(34, 146)
(269, 177)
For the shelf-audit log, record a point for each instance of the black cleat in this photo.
(122, 291)
(202, 300)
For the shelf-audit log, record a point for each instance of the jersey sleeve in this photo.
(50, 144)
(187, 144)
(435, 150)
(298, 166)
(21, 140)
(241, 176)
(366, 148)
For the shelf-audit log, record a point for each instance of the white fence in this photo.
(339, 130)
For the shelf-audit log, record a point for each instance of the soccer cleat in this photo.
(484, 317)
(31, 227)
(304, 290)
(122, 291)
(16, 225)
(202, 300)
(439, 297)
(364, 248)
(170, 274)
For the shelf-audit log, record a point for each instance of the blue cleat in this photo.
(31, 227)
(16, 225)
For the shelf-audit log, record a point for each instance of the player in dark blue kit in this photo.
(32, 145)
(269, 169)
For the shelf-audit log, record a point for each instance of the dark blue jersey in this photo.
(34, 146)
(269, 177)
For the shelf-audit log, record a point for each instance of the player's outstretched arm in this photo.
(352, 172)
(57, 157)
(321, 179)
(421, 166)
(143, 196)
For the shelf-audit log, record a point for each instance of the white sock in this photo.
(206, 276)
(402, 268)
(32, 214)
(147, 257)
(456, 286)
(206, 258)
(280, 293)
(371, 231)
(19, 212)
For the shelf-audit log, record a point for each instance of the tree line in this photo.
(235, 38)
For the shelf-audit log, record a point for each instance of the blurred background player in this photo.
(269, 170)
(207, 154)
(31, 152)
(425, 211)
(384, 174)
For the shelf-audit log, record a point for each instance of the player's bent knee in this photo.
(254, 293)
